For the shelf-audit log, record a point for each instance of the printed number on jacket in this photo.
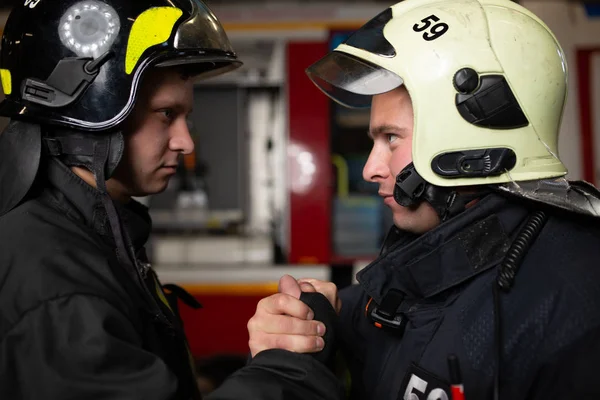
(420, 384)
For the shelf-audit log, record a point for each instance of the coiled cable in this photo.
(506, 277)
(518, 249)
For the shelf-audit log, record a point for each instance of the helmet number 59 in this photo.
(435, 31)
(31, 3)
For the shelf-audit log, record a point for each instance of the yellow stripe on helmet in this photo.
(6, 79)
(152, 27)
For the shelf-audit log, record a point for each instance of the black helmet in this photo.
(78, 63)
(70, 68)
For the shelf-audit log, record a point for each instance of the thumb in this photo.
(289, 285)
(307, 287)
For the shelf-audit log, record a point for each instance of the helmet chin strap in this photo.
(124, 250)
(411, 189)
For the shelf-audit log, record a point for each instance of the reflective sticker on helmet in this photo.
(6, 81)
(152, 27)
(31, 3)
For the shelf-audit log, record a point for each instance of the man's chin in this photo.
(416, 221)
(156, 188)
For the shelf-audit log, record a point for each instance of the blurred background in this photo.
(275, 185)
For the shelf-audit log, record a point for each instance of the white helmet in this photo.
(487, 79)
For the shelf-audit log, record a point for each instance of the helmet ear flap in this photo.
(75, 148)
(20, 153)
(116, 147)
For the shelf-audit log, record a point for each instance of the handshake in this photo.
(300, 318)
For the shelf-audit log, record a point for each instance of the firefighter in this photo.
(97, 92)
(488, 282)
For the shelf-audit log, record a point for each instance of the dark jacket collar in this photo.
(448, 255)
(80, 201)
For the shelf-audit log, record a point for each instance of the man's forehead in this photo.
(399, 93)
(158, 77)
(168, 86)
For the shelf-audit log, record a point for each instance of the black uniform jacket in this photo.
(76, 324)
(438, 287)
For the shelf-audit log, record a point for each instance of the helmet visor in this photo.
(202, 30)
(202, 40)
(203, 65)
(351, 81)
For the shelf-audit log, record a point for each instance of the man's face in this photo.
(155, 134)
(391, 128)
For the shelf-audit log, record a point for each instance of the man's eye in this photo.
(168, 113)
(391, 137)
